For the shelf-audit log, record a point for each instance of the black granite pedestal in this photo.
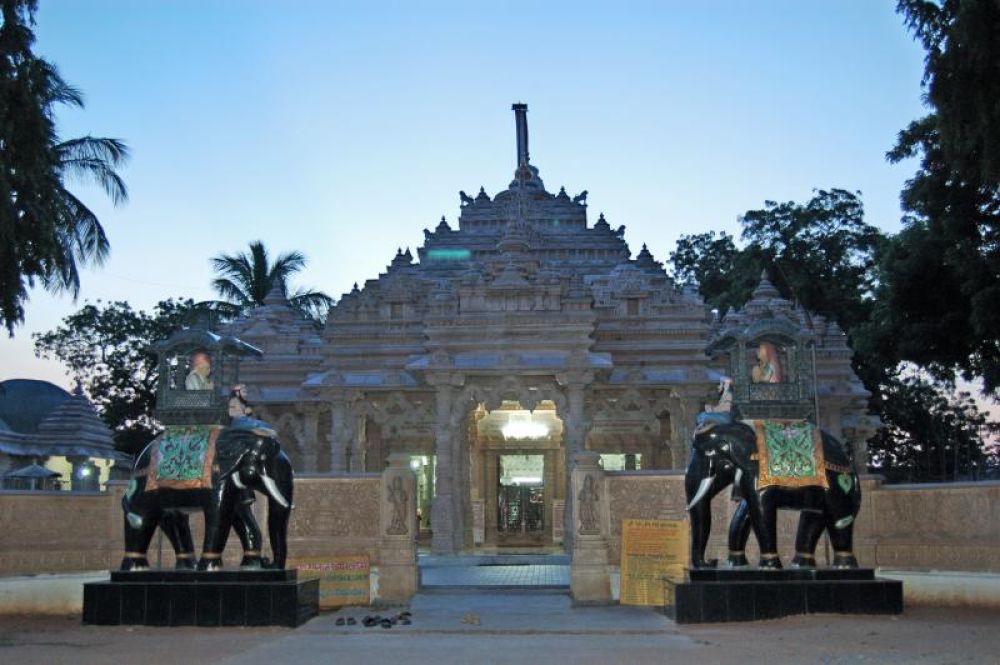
(748, 594)
(191, 598)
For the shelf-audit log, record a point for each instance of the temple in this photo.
(514, 339)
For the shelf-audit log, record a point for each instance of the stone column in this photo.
(590, 583)
(443, 512)
(397, 560)
(574, 440)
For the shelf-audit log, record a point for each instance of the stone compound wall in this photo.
(335, 514)
(953, 526)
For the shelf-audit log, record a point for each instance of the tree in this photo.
(724, 275)
(46, 232)
(824, 255)
(940, 294)
(961, 78)
(950, 427)
(245, 279)
(106, 348)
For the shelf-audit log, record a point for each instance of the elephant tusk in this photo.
(703, 488)
(739, 477)
(273, 490)
(237, 481)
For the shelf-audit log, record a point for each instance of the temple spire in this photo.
(521, 120)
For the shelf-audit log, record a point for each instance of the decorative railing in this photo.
(773, 392)
(191, 399)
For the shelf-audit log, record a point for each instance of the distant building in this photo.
(51, 439)
(518, 337)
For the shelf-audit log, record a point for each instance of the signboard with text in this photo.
(652, 551)
(343, 580)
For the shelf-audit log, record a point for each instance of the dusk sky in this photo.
(345, 129)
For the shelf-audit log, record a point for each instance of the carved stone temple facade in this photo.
(513, 341)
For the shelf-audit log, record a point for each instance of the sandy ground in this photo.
(520, 629)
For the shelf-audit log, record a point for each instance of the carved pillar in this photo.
(589, 579)
(445, 518)
(398, 531)
(575, 427)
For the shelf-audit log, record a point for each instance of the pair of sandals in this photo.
(403, 619)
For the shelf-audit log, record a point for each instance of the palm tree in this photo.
(246, 278)
(46, 232)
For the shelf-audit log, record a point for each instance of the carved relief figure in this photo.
(400, 501)
(588, 507)
(768, 367)
(199, 376)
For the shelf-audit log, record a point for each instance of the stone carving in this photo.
(588, 498)
(399, 498)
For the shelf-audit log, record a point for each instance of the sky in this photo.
(343, 129)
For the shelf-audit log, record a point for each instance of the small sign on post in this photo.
(652, 551)
(343, 580)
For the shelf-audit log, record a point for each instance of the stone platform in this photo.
(728, 594)
(191, 598)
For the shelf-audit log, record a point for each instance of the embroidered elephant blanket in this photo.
(183, 458)
(789, 453)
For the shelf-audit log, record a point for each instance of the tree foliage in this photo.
(962, 78)
(821, 253)
(940, 292)
(245, 279)
(105, 347)
(46, 232)
(931, 434)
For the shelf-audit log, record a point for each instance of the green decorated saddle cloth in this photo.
(789, 453)
(182, 458)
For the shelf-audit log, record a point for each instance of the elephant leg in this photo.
(764, 519)
(842, 539)
(248, 531)
(218, 522)
(177, 528)
(739, 533)
(811, 524)
(138, 532)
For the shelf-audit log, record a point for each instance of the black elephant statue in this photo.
(730, 453)
(215, 470)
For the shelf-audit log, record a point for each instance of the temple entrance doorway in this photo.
(521, 501)
(518, 476)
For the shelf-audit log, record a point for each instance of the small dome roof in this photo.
(25, 403)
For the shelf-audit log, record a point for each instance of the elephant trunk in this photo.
(278, 484)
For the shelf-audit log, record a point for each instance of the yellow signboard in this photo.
(652, 551)
(343, 580)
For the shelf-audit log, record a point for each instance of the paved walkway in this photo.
(500, 628)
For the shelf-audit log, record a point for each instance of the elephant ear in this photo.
(742, 442)
(230, 448)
